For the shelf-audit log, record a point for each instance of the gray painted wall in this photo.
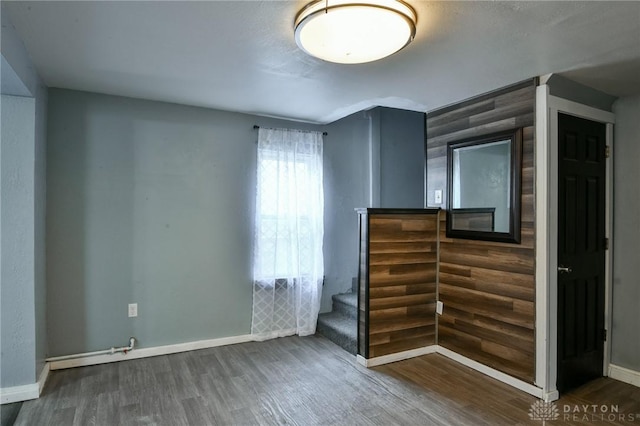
(40, 208)
(402, 158)
(625, 334)
(347, 187)
(17, 264)
(148, 203)
(152, 203)
(23, 80)
(373, 158)
(16, 56)
(565, 88)
(10, 83)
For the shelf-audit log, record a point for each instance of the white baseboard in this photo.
(44, 375)
(492, 372)
(25, 392)
(82, 361)
(33, 390)
(19, 393)
(551, 396)
(386, 359)
(624, 375)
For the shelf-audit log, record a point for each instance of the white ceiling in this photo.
(241, 55)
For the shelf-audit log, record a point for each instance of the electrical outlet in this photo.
(439, 307)
(133, 310)
(438, 196)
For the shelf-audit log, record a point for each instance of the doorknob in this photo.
(564, 269)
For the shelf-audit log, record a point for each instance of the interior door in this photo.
(581, 250)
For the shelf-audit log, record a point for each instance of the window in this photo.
(288, 263)
(285, 215)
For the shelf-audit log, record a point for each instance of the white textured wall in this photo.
(17, 238)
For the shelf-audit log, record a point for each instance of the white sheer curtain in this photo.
(288, 265)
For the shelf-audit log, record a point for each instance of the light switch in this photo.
(133, 310)
(438, 196)
(439, 307)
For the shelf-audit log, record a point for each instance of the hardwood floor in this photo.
(9, 412)
(304, 381)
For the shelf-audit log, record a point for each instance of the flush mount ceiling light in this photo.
(354, 32)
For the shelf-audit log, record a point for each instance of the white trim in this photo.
(624, 375)
(400, 356)
(44, 375)
(261, 337)
(547, 213)
(552, 251)
(491, 372)
(541, 162)
(19, 393)
(544, 79)
(149, 352)
(581, 110)
(25, 392)
(550, 396)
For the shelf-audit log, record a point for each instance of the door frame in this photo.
(546, 225)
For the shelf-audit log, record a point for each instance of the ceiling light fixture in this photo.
(354, 31)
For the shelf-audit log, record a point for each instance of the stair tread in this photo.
(350, 299)
(338, 322)
(341, 324)
(340, 329)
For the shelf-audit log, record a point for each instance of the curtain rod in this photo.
(255, 126)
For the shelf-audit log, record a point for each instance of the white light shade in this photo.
(354, 32)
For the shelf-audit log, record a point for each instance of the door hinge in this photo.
(604, 334)
(607, 151)
(606, 243)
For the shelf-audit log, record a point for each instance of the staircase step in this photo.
(340, 329)
(346, 304)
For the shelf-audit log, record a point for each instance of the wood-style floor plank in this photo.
(294, 381)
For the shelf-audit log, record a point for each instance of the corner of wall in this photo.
(373, 116)
(27, 80)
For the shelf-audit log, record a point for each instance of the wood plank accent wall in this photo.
(487, 288)
(397, 276)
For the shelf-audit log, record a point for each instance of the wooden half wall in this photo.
(487, 288)
(397, 280)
